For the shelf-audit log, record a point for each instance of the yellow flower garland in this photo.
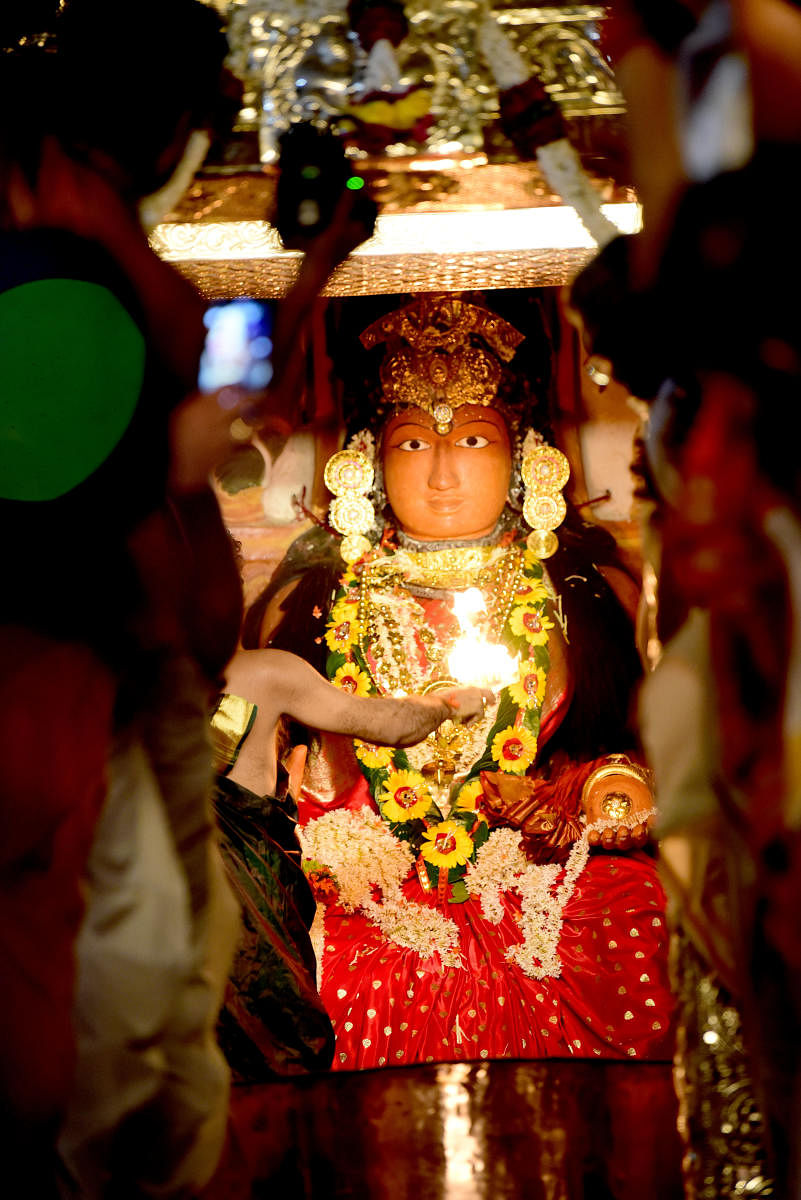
(351, 678)
(529, 622)
(371, 755)
(406, 796)
(447, 845)
(343, 631)
(528, 691)
(514, 749)
(403, 795)
(469, 795)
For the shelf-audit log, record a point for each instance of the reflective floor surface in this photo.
(462, 1131)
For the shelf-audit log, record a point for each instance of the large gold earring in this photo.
(349, 476)
(545, 471)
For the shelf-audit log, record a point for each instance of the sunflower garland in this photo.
(447, 845)
(514, 749)
(530, 684)
(371, 755)
(343, 628)
(405, 797)
(444, 847)
(352, 678)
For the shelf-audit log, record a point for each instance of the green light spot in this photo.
(72, 362)
(355, 183)
(310, 172)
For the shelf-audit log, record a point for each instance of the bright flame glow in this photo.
(473, 661)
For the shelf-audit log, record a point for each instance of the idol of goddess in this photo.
(487, 892)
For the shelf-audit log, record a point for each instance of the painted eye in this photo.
(414, 444)
(474, 441)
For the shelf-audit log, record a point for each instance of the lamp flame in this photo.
(473, 661)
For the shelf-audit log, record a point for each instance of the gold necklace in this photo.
(451, 569)
(392, 621)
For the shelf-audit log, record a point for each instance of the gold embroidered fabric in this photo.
(231, 722)
(720, 1120)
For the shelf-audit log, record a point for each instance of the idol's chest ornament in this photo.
(426, 602)
(416, 621)
(431, 621)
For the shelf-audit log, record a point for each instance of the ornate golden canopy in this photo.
(458, 209)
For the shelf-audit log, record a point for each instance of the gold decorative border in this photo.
(217, 280)
(458, 251)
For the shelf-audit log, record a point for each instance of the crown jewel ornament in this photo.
(442, 352)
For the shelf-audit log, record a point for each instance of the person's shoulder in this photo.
(264, 675)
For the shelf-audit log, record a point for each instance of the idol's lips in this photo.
(445, 504)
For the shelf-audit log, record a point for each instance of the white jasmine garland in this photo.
(531, 442)
(631, 821)
(507, 66)
(358, 848)
(154, 207)
(381, 72)
(417, 927)
(501, 866)
(559, 162)
(364, 442)
(562, 168)
(362, 854)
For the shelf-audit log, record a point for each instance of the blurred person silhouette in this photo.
(693, 317)
(121, 604)
(98, 346)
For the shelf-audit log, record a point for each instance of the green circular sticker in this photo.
(72, 361)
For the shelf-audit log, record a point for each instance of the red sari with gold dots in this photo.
(612, 1000)
(390, 1006)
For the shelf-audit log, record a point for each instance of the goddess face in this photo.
(452, 485)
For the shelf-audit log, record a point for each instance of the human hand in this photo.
(618, 805)
(468, 703)
(352, 223)
(620, 838)
(423, 714)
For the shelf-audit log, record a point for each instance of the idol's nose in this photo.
(443, 475)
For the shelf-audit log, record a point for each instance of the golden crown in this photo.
(442, 352)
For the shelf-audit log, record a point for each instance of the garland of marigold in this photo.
(444, 847)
